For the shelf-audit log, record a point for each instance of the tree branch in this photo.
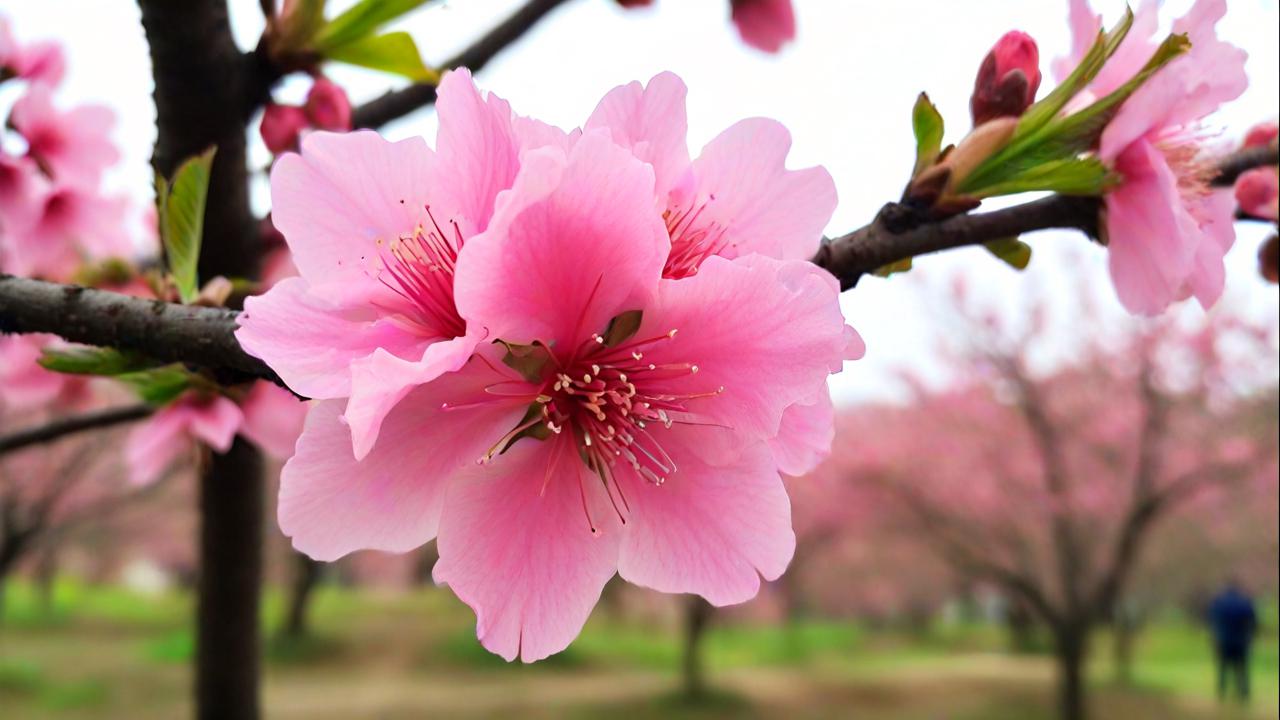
(1232, 166)
(199, 336)
(398, 103)
(68, 426)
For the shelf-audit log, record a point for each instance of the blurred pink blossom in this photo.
(1166, 230)
(764, 24)
(327, 106)
(38, 62)
(71, 146)
(281, 127)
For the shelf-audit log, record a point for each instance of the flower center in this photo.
(693, 239)
(419, 267)
(1182, 151)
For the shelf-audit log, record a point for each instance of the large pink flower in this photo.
(1167, 232)
(604, 446)
(73, 145)
(376, 229)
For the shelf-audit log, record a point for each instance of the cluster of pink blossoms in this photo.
(1167, 230)
(562, 354)
(56, 222)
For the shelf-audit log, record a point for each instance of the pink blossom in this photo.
(73, 145)
(25, 385)
(1263, 133)
(376, 229)
(764, 24)
(327, 106)
(59, 226)
(1258, 192)
(1167, 232)
(1008, 79)
(281, 127)
(645, 454)
(269, 416)
(38, 62)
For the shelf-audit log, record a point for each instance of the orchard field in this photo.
(109, 653)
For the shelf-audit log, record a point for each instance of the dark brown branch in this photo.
(398, 103)
(199, 336)
(869, 248)
(68, 426)
(1231, 167)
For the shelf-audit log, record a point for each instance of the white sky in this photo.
(844, 89)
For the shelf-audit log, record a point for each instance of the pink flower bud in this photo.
(1008, 79)
(635, 3)
(281, 125)
(1262, 134)
(1258, 193)
(328, 107)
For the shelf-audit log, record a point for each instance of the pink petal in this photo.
(156, 442)
(478, 151)
(1216, 215)
(331, 504)
(709, 529)
(343, 194)
(767, 331)
(381, 380)
(1085, 25)
(574, 243)
(215, 421)
(312, 344)
(762, 207)
(1151, 237)
(273, 418)
(805, 435)
(516, 545)
(651, 122)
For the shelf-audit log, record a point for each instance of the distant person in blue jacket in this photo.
(1234, 621)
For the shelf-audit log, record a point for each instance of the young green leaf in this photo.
(900, 266)
(93, 361)
(180, 210)
(160, 386)
(360, 21)
(926, 123)
(394, 53)
(1013, 251)
(1069, 176)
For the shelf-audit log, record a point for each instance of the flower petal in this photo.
(516, 546)
(273, 418)
(804, 438)
(708, 529)
(574, 243)
(331, 504)
(311, 344)
(650, 121)
(762, 206)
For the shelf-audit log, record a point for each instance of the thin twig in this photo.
(398, 103)
(67, 426)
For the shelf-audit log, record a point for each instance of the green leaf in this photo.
(528, 360)
(360, 21)
(926, 123)
(1069, 176)
(180, 208)
(1103, 48)
(1013, 251)
(159, 386)
(93, 361)
(393, 53)
(622, 328)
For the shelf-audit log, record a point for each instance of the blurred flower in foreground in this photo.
(326, 108)
(766, 25)
(1166, 229)
(37, 62)
(606, 411)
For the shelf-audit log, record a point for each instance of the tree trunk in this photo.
(227, 628)
(46, 573)
(306, 575)
(205, 92)
(696, 617)
(1072, 647)
(1021, 624)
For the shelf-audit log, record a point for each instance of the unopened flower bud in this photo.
(1262, 134)
(327, 106)
(281, 126)
(1007, 80)
(1258, 193)
(635, 3)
